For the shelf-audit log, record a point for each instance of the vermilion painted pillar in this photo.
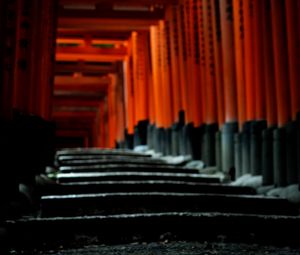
(280, 50)
(240, 59)
(260, 108)
(249, 59)
(270, 98)
(269, 75)
(182, 44)
(293, 42)
(228, 60)
(197, 85)
(165, 67)
(203, 63)
(230, 127)
(211, 117)
(120, 106)
(216, 26)
(140, 82)
(129, 96)
(112, 118)
(174, 48)
(154, 37)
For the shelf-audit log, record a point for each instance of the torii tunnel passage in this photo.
(215, 81)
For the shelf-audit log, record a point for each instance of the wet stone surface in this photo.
(166, 248)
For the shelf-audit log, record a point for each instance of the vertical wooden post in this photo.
(198, 118)
(210, 65)
(216, 25)
(230, 126)
(174, 47)
(280, 61)
(203, 63)
(249, 58)
(260, 112)
(293, 43)
(182, 56)
(156, 75)
(165, 61)
(129, 96)
(269, 75)
(239, 59)
(229, 60)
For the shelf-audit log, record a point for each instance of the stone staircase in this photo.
(114, 196)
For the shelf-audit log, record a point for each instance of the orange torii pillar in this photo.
(218, 58)
(280, 50)
(211, 118)
(260, 123)
(171, 15)
(271, 107)
(186, 115)
(230, 127)
(120, 107)
(140, 81)
(293, 43)
(239, 35)
(129, 102)
(157, 87)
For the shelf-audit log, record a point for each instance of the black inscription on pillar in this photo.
(175, 29)
(218, 20)
(210, 40)
(229, 10)
(183, 32)
(196, 33)
(202, 40)
(168, 42)
(241, 19)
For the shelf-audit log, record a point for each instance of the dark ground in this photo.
(172, 248)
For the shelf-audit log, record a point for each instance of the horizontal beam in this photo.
(61, 67)
(117, 25)
(81, 33)
(121, 2)
(69, 80)
(137, 16)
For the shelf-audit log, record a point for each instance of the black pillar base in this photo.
(246, 148)
(227, 145)
(291, 153)
(209, 143)
(175, 139)
(279, 157)
(140, 133)
(218, 151)
(197, 141)
(150, 136)
(267, 156)
(238, 155)
(187, 138)
(256, 130)
(128, 140)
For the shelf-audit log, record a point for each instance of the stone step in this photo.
(74, 161)
(99, 151)
(126, 167)
(64, 232)
(135, 176)
(144, 186)
(153, 202)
